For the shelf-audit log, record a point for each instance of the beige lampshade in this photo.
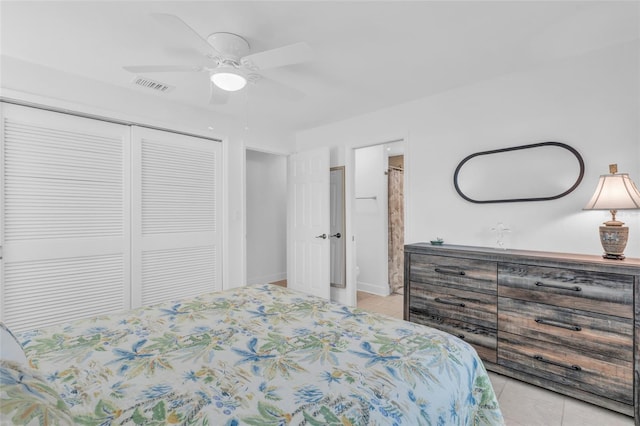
(615, 192)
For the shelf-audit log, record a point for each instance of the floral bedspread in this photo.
(261, 355)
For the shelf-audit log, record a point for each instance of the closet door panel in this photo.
(176, 199)
(65, 209)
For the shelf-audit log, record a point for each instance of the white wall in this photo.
(28, 82)
(589, 102)
(370, 219)
(266, 211)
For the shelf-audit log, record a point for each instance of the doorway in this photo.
(378, 218)
(266, 217)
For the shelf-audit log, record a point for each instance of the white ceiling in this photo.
(368, 55)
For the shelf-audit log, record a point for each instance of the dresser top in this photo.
(628, 265)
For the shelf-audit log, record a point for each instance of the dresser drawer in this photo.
(604, 376)
(586, 332)
(468, 315)
(460, 273)
(461, 305)
(483, 340)
(606, 293)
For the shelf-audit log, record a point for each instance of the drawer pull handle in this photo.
(449, 302)
(559, 364)
(558, 324)
(560, 287)
(449, 271)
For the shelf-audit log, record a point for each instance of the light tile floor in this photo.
(521, 404)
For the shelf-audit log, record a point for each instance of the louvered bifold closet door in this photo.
(176, 200)
(65, 202)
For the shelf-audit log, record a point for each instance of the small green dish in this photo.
(437, 242)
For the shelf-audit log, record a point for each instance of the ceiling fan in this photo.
(225, 56)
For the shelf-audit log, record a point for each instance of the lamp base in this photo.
(613, 256)
(614, 240)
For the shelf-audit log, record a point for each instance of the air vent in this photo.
(152, 84)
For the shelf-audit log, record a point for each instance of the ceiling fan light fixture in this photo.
(229, 80)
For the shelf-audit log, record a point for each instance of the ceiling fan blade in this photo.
(190, 55)
(161, 68)
(180, 29)
(217, 96)
(279, 57)
(269, 88)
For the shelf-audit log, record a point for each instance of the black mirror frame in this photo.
(515, 148)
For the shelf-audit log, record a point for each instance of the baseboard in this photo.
(373, 288)
(267, 278)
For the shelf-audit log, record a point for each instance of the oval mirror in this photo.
(535, 172)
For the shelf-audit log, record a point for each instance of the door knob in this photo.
(338, 235)
(323, 236)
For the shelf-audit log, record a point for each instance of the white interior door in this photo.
(308, 248)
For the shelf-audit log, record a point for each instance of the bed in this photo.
(257, 355)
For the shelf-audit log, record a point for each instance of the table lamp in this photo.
(615, 191)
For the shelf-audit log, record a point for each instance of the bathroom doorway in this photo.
(378, 217)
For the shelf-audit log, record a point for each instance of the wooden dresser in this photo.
(566, 322)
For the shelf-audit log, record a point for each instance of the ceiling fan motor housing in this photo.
(230, 45)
